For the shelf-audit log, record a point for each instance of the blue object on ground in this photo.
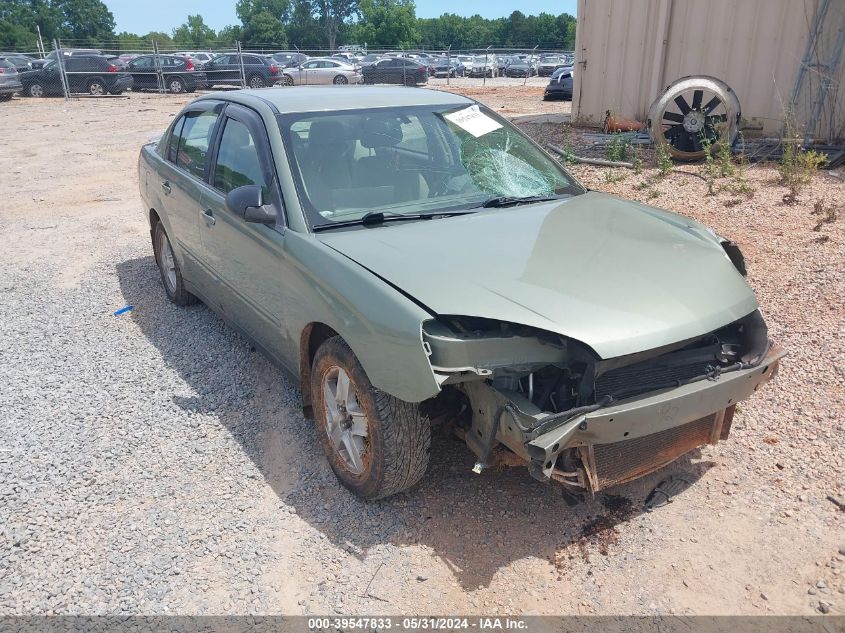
(123, 310)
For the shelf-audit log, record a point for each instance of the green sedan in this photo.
(415, 261)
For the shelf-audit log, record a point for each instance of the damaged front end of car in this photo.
(583, 421)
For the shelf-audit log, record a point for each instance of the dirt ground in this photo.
(754, 533)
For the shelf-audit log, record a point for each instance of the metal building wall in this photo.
(628, 51)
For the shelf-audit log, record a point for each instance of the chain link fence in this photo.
(73, 72)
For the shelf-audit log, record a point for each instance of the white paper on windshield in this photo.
(473, 120)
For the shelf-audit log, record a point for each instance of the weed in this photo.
(652, 193)
(568, 155)
(611, 176)
(618, 148)
(664, 160)
(828, 215)
(642, 186)
(796, 166)
(636, 160)
(710, 170)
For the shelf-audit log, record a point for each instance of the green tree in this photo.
(303, 27)
(194, 33)
(263, 28)
(333, 13)
(388, 23)
(230, 34)
(84, 21)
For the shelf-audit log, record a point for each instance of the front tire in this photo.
(287, 80)
(168, 266)
(377, 445)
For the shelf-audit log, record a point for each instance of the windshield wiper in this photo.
(374, 218)
(512, 201)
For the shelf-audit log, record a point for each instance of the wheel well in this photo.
(310, 340)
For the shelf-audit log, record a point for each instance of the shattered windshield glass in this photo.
(413, 160)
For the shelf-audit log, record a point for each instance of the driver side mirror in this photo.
(247, 202)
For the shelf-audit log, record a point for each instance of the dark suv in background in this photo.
(92, 74)
(178, 73)
(259, 71)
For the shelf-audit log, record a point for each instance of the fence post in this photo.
(61, 62)
(241, 63)
(530, 58)
(448, 63)
(159, 76)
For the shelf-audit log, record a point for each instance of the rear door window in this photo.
(190, 141)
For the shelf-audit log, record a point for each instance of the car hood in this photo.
(618, 276)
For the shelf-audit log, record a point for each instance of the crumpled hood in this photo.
(618, 276)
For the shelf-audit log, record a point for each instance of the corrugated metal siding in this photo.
(628, 51)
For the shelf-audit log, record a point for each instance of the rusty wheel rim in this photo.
(347, 426)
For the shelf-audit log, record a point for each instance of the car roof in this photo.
(328, 98)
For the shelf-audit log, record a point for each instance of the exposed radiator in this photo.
(623, 461)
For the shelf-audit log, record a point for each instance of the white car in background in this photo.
(325, 70)
(483, 66)
(198, 57)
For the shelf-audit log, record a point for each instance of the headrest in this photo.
(326, 133)
(378, 132)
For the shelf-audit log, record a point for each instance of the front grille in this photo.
(642, 377)
(623, 461)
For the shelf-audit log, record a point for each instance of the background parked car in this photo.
(321, 71)
(198, 57)
(66, 52)
(92, 74)
(483, 66)
(179, 73)
(395, 70)
(519, 68)
(10, 81)
(19, 61)
(549, 64)
(259, 71)
(445, 67)
(560, 85)
(289, 59)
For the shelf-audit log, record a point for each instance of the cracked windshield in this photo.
(414, 160)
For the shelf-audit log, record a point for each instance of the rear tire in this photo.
(340, 80)
(6, 97)
(376, 444)
(175, 85)
(168, 266)
(96, 88)
(35, 90)
(256, 81)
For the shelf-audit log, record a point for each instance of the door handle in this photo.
(208, 217)
(166, 186)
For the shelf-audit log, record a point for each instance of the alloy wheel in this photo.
(96, 88)
(176, 86)
(167, 262)
(36, 90)
(346, 424)
(340, 80)
(256, 82)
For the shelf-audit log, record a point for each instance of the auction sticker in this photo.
(473, 120)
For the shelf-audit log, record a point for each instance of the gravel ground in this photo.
(153, 463)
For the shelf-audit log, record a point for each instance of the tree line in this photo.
(304, 24)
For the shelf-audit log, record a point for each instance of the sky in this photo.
(164, 15)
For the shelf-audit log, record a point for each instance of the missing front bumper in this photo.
(631, 439)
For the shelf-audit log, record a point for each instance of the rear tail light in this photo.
(189, 65)
(274, 70)
(2, 70)
(112, 68)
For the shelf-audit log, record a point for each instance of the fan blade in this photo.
(715, 101)
(682, 104)
(681, 140)
(673, 116)
(697, 96)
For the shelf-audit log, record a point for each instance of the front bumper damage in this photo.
(590, 448)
